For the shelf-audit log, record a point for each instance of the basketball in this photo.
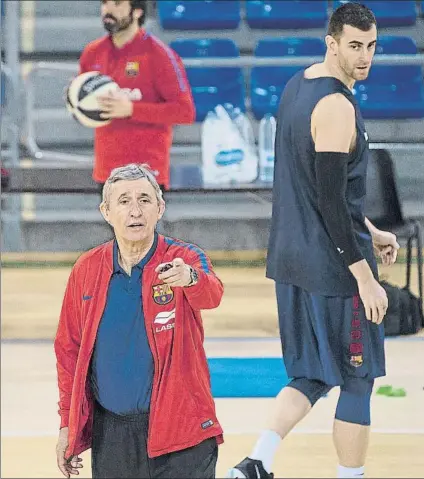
(81, 98)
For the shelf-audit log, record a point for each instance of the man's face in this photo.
(133, 210)
(355, 51)
(117, 15)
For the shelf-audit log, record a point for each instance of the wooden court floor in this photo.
(246, 322)
(32, 297)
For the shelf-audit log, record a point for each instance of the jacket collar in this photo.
(142, 263)
(107, 254)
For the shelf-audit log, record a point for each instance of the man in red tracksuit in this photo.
(133, 377)
(154, 95)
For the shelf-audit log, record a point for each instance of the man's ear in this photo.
(104, 210)
(138, 13)
(161, 209)
(332, 45)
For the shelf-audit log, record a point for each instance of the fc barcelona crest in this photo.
(132, 69)
(356, 361)
(162, 294)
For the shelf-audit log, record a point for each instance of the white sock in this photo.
(265, 448)
(350, 471)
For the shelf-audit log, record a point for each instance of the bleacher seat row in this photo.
(212, 86)
(389, 92)
(268, 14)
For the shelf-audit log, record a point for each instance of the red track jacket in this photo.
(154, 78)
(182, 410)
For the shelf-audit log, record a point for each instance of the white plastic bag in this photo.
(228, 149)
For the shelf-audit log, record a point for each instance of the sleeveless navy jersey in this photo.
(301, 251)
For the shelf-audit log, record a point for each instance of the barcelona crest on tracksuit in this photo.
(162, 294)
(132, 69)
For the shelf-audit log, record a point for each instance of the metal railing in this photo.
(9, 122)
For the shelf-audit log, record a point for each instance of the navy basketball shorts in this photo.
(328, 338)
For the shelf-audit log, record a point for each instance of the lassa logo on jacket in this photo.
(163, 319)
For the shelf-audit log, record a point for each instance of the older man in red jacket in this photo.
(154, 92)
(133, 376)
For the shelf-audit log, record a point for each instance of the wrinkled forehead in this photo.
(352, 34)
(138, 187)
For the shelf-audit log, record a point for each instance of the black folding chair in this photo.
(384, 210)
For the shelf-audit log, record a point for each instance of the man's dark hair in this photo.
(140, 4)
(354, 14)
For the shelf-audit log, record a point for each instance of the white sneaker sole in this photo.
(235, 473)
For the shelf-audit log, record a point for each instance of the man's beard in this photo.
(347, 69)
(350, 71)
(117, 26)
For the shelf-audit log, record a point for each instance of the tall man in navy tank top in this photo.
(321, 250)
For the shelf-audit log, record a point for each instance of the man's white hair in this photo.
(132, 171)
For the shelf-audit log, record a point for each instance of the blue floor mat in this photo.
(247, 377)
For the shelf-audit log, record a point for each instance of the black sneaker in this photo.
(249, 469)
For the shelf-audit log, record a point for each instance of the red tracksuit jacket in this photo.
(182, 410)
(154, 78)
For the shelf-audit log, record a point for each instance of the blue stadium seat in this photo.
(212, 86)
(391, 13)
(392, 91)
(199, 14)
(267, 83)
(283, 14)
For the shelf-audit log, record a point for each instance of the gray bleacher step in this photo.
(65, 217)
(55, 126)
(61, 236)
(210, 234)
(221, 207)
(75, 150)
(212, 221)
(222, 234)
(49, 85)
(414, 209)
(62, 202)
(59, 34)
(411, 189)
(70, 8)
(179, 207)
